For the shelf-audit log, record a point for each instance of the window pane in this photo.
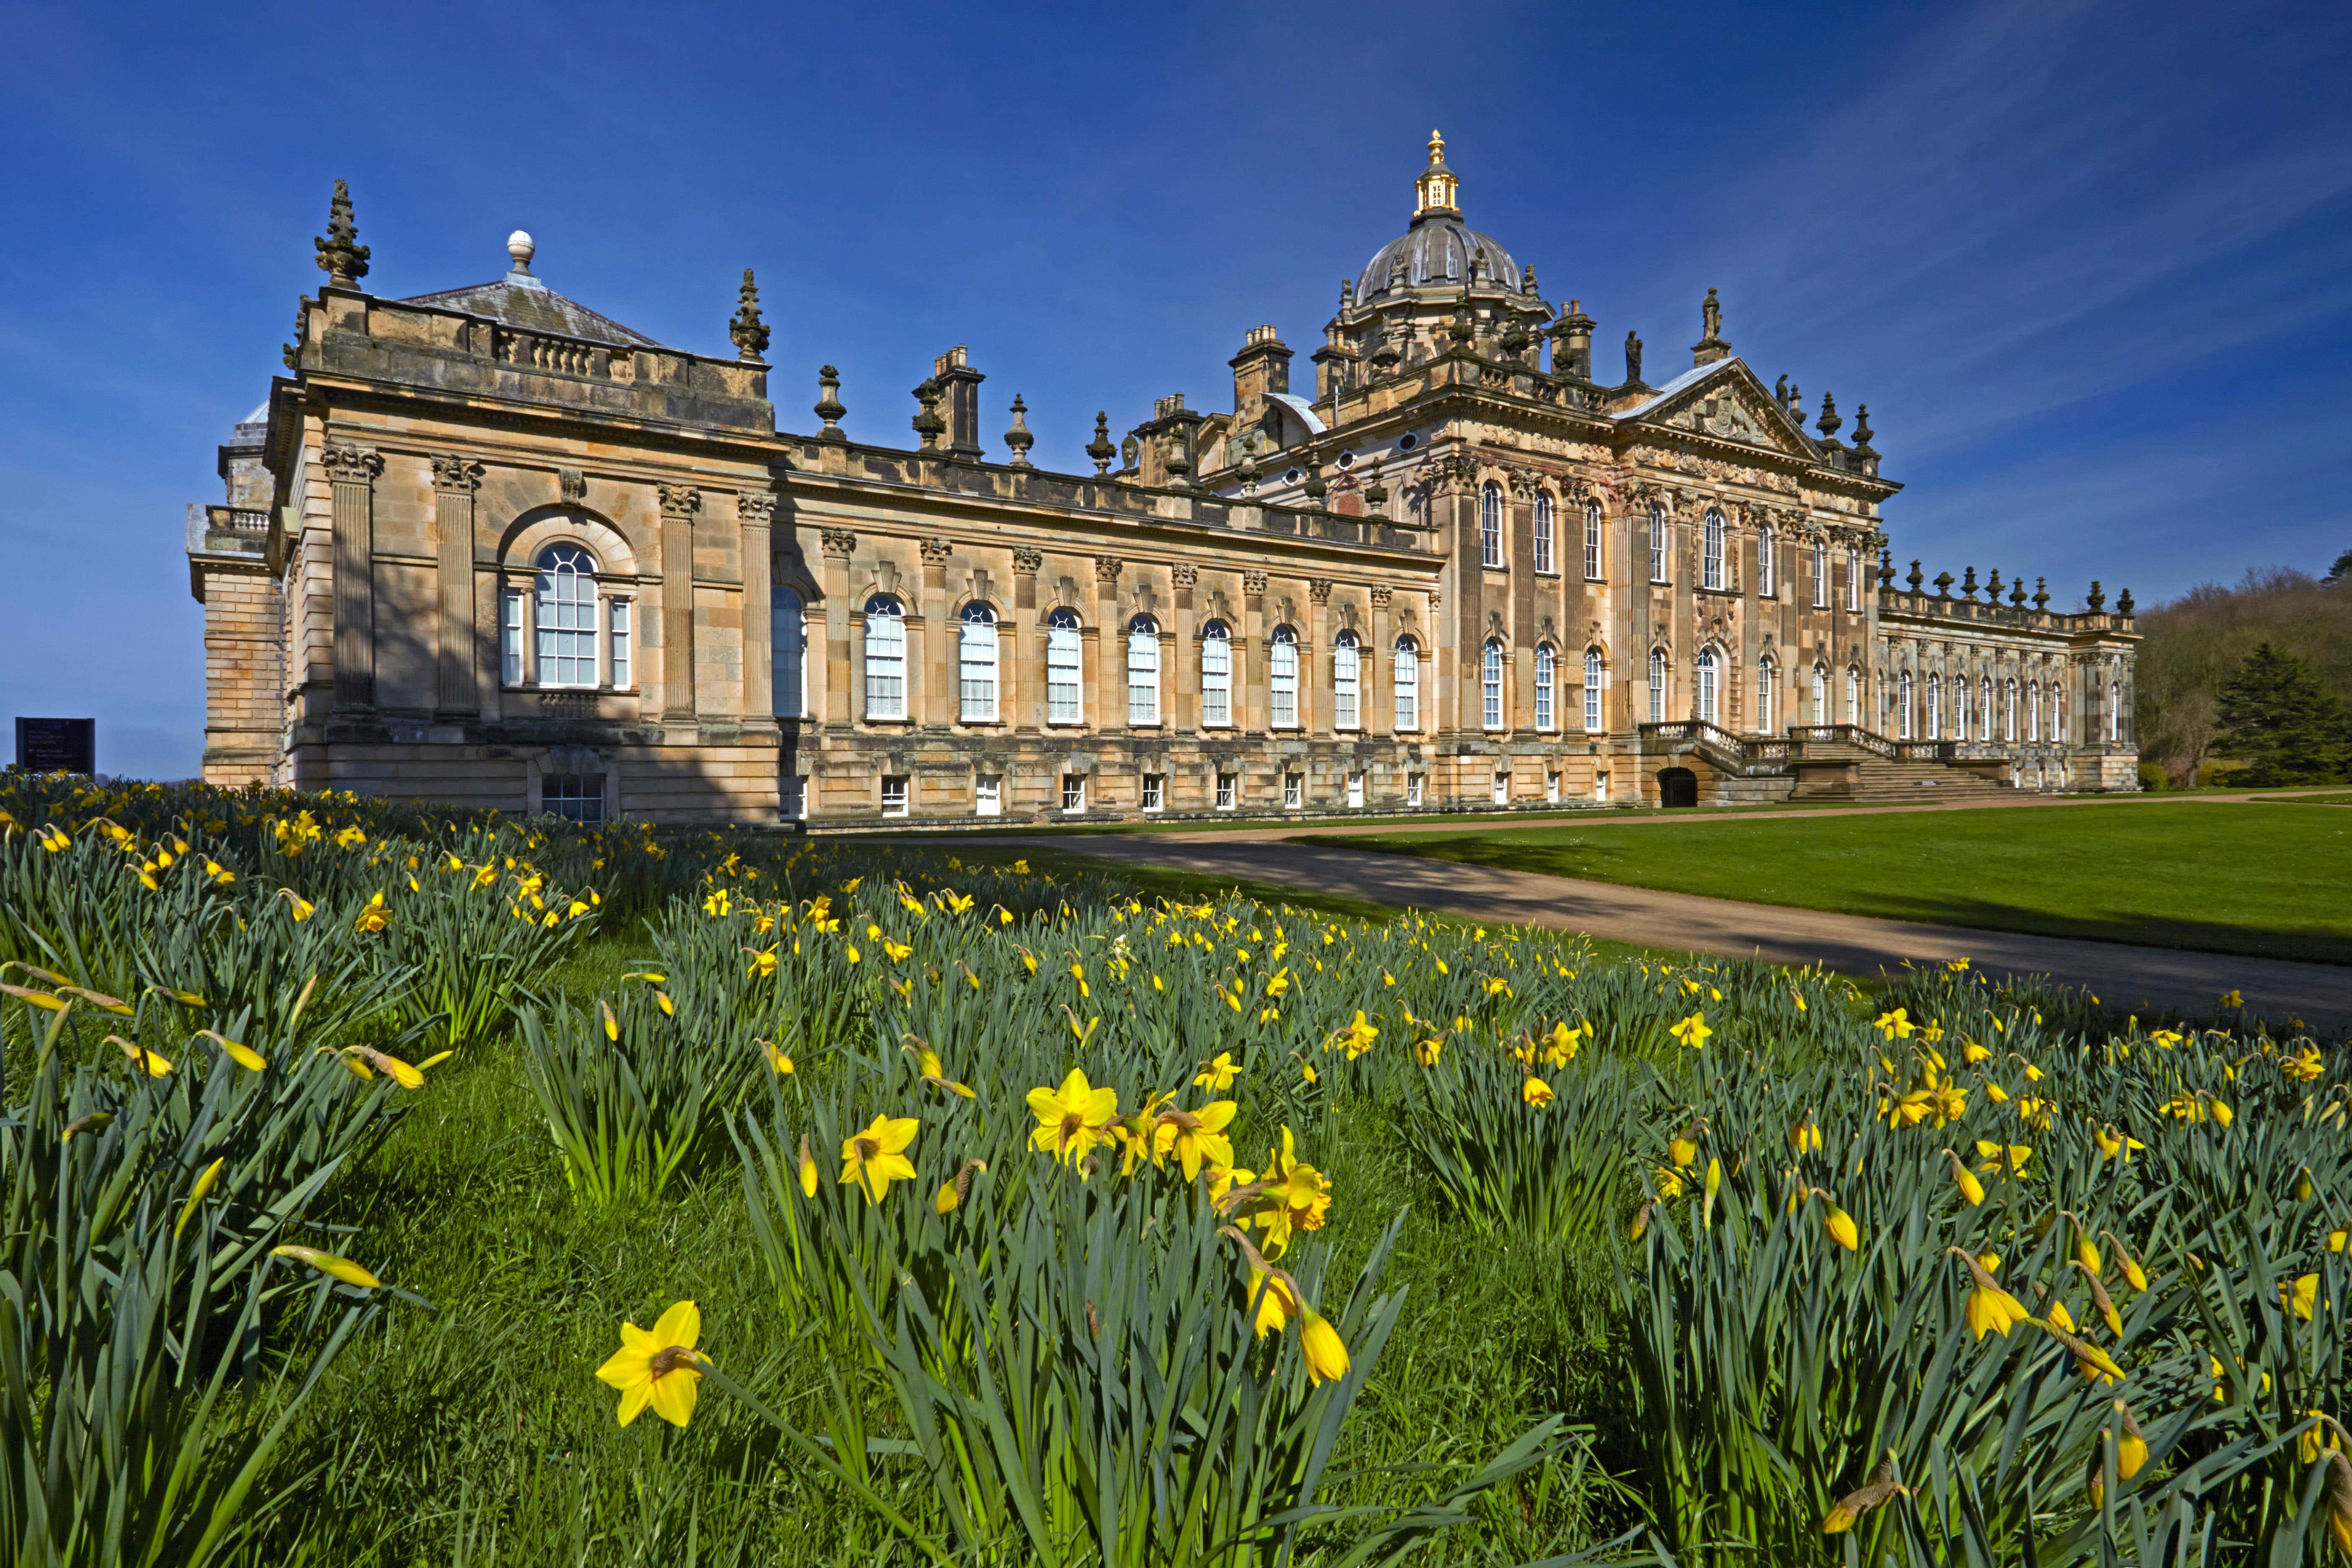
(510, 638)
(886, 659)
(566, 615)
(1345, 683)
(788, 654)
(1062, 672)
(1543, 533)
(1491, 685)
(619, 639)
(1592, 689)
(1143, 673)
(1283, 678)
(1408, 684)
(976, 660)
(1216, 676)
(1592, 540)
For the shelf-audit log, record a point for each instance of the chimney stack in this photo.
(960, 402)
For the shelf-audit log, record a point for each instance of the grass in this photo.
(485, 1439)
(2341, 799)
(2212, 877)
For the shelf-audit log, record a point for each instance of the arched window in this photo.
(2009, 711)
(1547, 669)
(788, 654)
(1706, 673)
(1657, 685)
(1592, 540)
(1347, 682)
(1984, 707)
(2114, 711)
(1853, 578)
(1711, 548)
(1543, 531)
(1821, 576)
(1765, 542)
(1064, 659)
(1657, 542)
(1216, 676)
(1821, 707)
(1282, 682)
(885, 657)
(1593, 669)
(2034, 711)
(976, 659)
(1960, 708)
(2058, 720)
(1408, 684)
(1935, 708)
(1490, 523)
(1143, 671)
(1765, 674)
(566, 614)
(1903, 706)
(1490, 684)
(1852, 696)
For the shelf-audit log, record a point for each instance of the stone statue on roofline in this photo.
(1633, 360)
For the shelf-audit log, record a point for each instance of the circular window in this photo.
(1347, 459)
(1407, 442)
(1291, 477)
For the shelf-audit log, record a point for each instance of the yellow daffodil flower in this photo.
(1071, 1119)
(1692, 1031)
(1535, 1091)
(877, 1157)
(327, 1262)
(1990, 1307)
(1218, 1075)
(657, 1367)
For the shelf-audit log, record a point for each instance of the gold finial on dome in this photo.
(1436, 188)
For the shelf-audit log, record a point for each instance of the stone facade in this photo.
(491, 547)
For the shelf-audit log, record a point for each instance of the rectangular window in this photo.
(1593, 543)
(1074, 792)
(576, 797)
(1592, 693)
(1413, 789)
(1294, 791)
(1408, 686)
(1544, 673)
(510, 636)
(1216, 680)
(1764, 563)
(894, 794)
(1502, 789)
(1657, 546)
(976, 674)
(1061, 658)
(1355, 789)
(791, 797)
(1346, 681)
(1226, 794)
(988, 795)
(1142, 676)
(1854, 579)
(1543, 533)
(1490, 525)
(1821, 576)
(618, 641)
(1155, 791)
(1282, 663)
(886, 665)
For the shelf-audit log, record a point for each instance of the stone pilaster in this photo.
(1183, 681)
(840, 699)
(1111, 646)
(1024, 648)
(455, 477)
(756, 511)
(1314, 660)
(1378, 678)
(353, 472)
(939, 701)
(679, 503)
(1250, 695)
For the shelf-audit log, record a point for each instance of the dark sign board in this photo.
(56, 745)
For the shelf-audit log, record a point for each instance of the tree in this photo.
(2342, 571)
(2276, 719)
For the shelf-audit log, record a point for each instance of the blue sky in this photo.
(2089, 265)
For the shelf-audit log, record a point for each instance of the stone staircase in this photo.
(1832, 763)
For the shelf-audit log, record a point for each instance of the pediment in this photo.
(1725, 401)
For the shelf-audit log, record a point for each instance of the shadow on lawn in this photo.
(1602, 862)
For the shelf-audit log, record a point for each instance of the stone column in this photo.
(1378, 679)
(756, 510)
(678, 505)
(455, 477)
(940, 702)
(1023, 646)
(1111, 647)
(1315, 661)
(353, 470)
(1184, 682)
(837, 705)
(1249, 708)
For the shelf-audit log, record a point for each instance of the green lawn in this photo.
(2216, 877)
(2339, 799)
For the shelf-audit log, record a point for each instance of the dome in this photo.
(1436, 251)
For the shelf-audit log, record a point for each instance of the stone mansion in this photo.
(490, 547)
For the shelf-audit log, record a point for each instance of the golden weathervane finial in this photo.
(1436, 148)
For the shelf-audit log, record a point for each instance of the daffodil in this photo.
(149, 1062)
(1692, 1031)
(327, 1262)
(657, 1367)
(775, 1057)
(1841, 1227)
(1218, 1075)
(877, 1157)
(1990, 1307)
(2301, 1296)
(1319, 1342)
(204, 1185)
(808, 1171)
(1195, 1138)
(1534, 1091)
(1882, 1488)
(1963, 1178)
(1071, 1119)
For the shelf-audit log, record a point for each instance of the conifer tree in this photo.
(2276, 719)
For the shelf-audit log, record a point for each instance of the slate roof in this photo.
(522, 301)
(1437, 250)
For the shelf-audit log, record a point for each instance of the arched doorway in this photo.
(1677, 787)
